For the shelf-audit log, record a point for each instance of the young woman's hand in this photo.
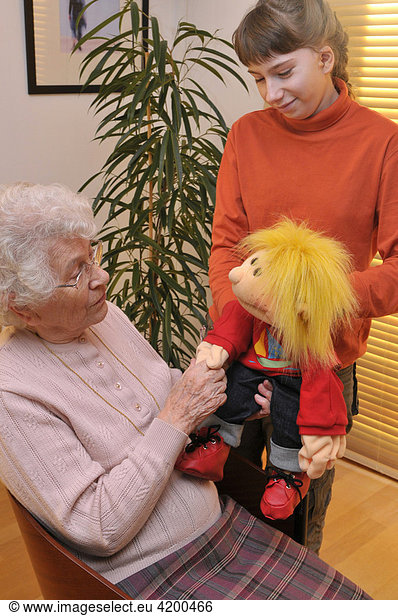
(263, 398)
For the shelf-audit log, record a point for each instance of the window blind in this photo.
(373, 68)
(373, 440)
(373, 49)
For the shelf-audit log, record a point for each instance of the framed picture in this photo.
(52, 30)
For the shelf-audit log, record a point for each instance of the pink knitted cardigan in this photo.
(107, 491)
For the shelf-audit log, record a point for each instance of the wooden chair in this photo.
(63, 576)
(59, 573)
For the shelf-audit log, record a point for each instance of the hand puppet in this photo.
(293, 294)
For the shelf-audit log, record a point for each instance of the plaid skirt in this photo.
(240, 557)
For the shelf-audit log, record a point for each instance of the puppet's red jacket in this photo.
(250, 341)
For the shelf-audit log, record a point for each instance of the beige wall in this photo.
(225, 16)
(49, 138)
(44, 138)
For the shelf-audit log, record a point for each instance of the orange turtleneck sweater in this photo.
(339, 172)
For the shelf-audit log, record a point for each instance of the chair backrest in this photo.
(59, 573)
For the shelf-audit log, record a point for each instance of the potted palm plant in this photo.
(158, 183)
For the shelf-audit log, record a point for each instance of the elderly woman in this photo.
(93, 420)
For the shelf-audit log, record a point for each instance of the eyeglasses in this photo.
(95, 260)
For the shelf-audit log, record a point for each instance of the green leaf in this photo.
(155, 294)
(167, 342)
(140, 91)
(177, 157)
(216, 52)
(229, 69)
(182, 37)
(193, 109)
(162, 60)
(156, 38)
(169, 162)
(202, 94)
(171, 212)
(176, 107)
(208, 67)
(177, 320)
(135, 18)
(163, 94)
(166, 278)
(162, 158)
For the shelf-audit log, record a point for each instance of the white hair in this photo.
(31, 217)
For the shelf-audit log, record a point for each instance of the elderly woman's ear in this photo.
(25, 314)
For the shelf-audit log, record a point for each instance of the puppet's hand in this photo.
(215, 356)
(319, 453)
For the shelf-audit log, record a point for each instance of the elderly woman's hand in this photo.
(198, 393)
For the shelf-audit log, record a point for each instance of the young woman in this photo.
(314, 155)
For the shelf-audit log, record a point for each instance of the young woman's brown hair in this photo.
(282, 26)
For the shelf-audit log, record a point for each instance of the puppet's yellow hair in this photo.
(305, 278)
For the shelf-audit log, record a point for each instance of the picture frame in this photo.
(50, 35)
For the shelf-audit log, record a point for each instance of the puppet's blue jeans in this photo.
(242, 384)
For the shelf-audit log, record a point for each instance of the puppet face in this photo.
(297, 281)
(248, 288)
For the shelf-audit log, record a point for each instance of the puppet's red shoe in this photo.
(205, 455)
(283, 492)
